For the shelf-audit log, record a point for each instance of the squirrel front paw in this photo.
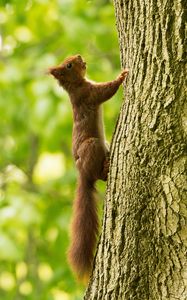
(123, 74)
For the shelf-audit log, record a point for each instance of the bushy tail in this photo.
(84, 229)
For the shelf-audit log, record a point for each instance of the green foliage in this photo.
(37, 174)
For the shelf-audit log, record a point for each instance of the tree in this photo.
(143, 245)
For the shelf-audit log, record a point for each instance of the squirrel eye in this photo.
(69, 65)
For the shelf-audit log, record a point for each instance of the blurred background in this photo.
(37, 172)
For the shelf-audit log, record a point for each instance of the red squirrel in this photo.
(90, 152)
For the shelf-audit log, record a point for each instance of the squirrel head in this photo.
(72, 70)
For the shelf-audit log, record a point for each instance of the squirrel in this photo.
(90, 152)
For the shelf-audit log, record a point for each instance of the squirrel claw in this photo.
(123, 74)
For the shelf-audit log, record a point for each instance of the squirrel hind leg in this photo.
(105, 170)
(93, 159)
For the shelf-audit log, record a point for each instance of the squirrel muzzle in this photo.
(57, 72)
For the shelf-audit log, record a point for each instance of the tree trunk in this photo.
(142, 252)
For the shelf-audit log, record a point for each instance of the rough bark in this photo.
(142, 253)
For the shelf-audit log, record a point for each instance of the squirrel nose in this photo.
(56, 72)
(52, 71)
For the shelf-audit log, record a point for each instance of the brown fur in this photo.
(90, 153)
